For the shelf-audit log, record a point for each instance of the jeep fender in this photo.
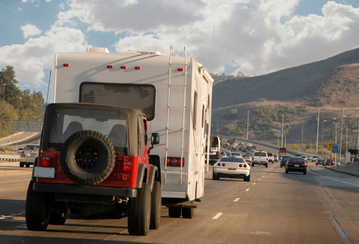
(142, 175)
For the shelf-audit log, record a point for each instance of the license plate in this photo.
(43, 172)
(296, 165)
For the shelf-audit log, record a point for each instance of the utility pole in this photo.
(281, 144)
(302, 134)
(247, 124)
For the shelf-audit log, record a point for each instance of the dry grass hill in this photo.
(296, 94)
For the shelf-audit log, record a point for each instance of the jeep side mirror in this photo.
(155, 138)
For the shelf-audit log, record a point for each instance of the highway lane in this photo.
(20, 139)
(320, 207)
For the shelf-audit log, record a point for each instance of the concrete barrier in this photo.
(9, 158)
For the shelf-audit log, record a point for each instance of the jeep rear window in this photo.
(109, 123)
(124, 95)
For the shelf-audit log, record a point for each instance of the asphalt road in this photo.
(320, 207)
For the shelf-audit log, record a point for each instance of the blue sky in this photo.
(251, 36)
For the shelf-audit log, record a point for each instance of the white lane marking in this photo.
(247, 189)
(11, 215)
(217, 216)
(236, 200)
(254, 183)
(349, 183)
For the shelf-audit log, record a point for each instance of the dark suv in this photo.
(94, 158)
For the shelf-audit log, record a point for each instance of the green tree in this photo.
(10, 91)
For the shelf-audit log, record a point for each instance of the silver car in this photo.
(28, 154)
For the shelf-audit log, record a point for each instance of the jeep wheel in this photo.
(174, 212)
(37, 209)
(139, 212)
(59, 215)
(156, 202)
(87, 157)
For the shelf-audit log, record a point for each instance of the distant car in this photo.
(231, 168)
(229, 153)
(223, 154)
(28, 154)
(236, 155)
(247, 157)
(315, 158)
(305, 157)
(270, 157)
(284, 160)
(296, 164)
(276, 158)
(18, 152)
(320, 160)
(244, 149)
(309, 157)
(329, 161)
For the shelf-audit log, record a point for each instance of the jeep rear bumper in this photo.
(85, 190)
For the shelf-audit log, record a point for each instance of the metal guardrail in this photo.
(11, 158)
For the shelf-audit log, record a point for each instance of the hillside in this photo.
(295, 93)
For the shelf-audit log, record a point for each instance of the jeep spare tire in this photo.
(87, 157)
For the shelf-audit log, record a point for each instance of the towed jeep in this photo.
(94, 158)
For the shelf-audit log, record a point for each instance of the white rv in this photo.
(174, 92)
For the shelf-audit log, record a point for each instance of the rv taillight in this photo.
(123, 67)
(177, 162)
(45, 162)
(109, 66)
(137, 67)
(180, 69)
(66, 65)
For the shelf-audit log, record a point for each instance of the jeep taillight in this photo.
(177, 162)
(218, 154)
(127, 166)
(45, 162)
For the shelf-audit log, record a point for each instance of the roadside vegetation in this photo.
(16, 104)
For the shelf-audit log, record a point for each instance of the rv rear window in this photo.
(124, 95)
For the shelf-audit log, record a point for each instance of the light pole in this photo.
(322, 133)
(4, 90)
(247, 124)
(282, 130)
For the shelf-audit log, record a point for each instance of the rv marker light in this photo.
(109, 66)
(180, 69)
(137, 67)
(123, 67)
(66, 65)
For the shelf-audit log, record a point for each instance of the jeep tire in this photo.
(59, 215)
(156, 202)
(139, 211)
(37, 209)
(87, 157)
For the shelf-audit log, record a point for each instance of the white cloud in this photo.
(252, 36)
(36, 54)
(30, 30)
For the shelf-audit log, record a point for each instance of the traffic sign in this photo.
(330, 145)
(335, 148)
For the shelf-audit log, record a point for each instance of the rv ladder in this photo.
(183, 107)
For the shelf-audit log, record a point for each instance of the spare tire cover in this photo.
(87, 157)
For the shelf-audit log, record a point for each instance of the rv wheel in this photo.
(87, 157)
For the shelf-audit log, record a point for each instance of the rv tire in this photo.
(174, 212)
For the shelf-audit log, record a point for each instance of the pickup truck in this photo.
(260, 157)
